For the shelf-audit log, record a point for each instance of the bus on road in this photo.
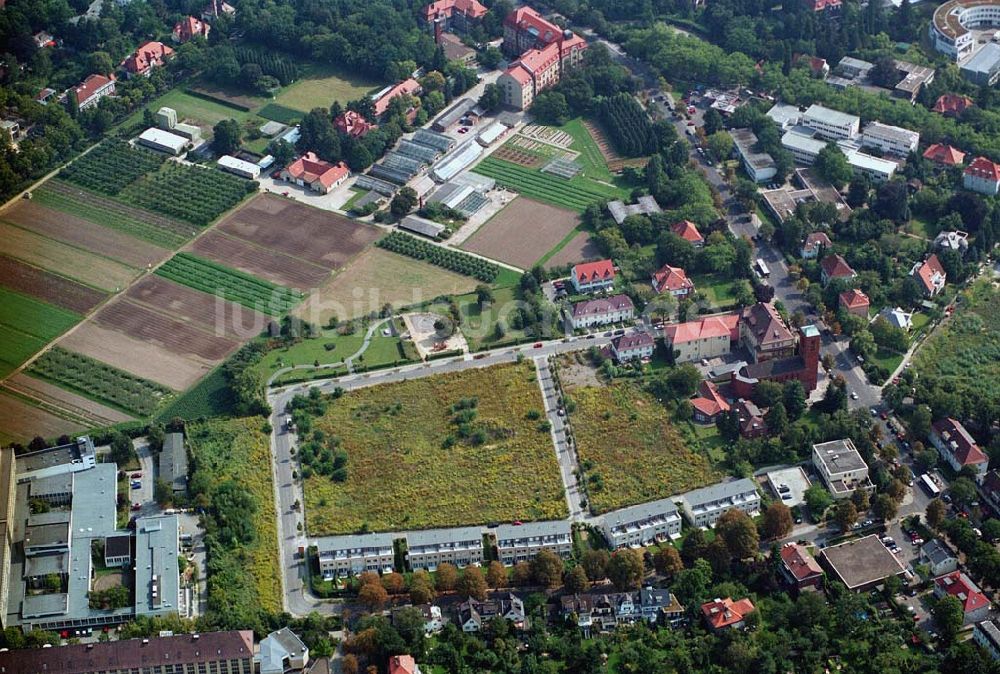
(929, 486)
(762, 268)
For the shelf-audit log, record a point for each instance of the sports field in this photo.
(376, 277)
(26, 325)
(458, 449)
(321, 86)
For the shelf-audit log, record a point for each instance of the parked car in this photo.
(137, 485)
(136, 476)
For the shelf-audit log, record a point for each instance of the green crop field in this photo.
(576, 193)
(114, 215)
(112, 166)
(321, 86)
(964, 354)
(246, 575)
(193, 109)
(192, 193)
(628, 449)
(211, 397)
(99, 381)
(236, 286)
(26, 325)
(406, 446)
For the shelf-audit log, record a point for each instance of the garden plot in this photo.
(581, 248)
(23, 421)
(323, 238)
(26, 325)
(548, 135)
(522, 232)
(492, 461)
(48, 287)
(267, 264)
(70, 404)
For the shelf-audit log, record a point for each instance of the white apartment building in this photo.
(461, 546)
(950, 32)
(602, 311)
(890, 139)
(521, 543)
(341, 556)
(831, 124)
(841, 467)
(703, 507)
(805, 147)
(878, 169)
(642, 524)
(987, 635)
(759, 166)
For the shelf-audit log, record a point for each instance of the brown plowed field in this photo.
(522, 232)
(137, 356)
(84, 234)
(267, 264)
(23, 421)
(200, 310)
(71, 402)
(135, 320)
(281, 224)
(46, 286)
(44, 252)
(580, 249)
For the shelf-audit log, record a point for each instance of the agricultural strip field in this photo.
(236, 286)
(137, 356)
(112, 166)
(48, 287)
(156, 229)
(267, 264)
(576, 193)
(84, 234)
(153, 327)
(207, 312)
(23, 421)
(378, 276)
(522, 232)
(237, 451)
(580, 249)
(397, 440)
(321, 237)
(72, 404)
(40, 251)
(321, 87)
(963, 355)
(98, 381)
(629, 452)
(192, 193)
(192, 109)
(28, 324)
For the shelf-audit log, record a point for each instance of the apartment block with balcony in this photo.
(461, 546)
(341, 556)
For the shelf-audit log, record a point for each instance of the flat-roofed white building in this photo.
(987, 635)
(840, 465)
(831, 124)
(163, 141)
(703, 507)
(802, 144)
(642, 524)
(878, 169)
(759, 166)
(521, 543)
(461, 546)
(244, 169)
(348, 555)
(890, 139)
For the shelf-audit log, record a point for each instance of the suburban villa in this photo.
(318, 175)
(590, 277)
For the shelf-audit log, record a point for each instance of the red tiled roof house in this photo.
(318, 175)
(709, 405)
(709, 337)
(982, 176)
(457, 15)
(91, 90)
(855, 302)
(975, 605)
(148, 56)
(590, 277)
(409, 87)
(957, 447)
(189, 27)
(688, 231)
(799, 568)
(724, 614)
(930, 275)
(945, 155)
(403, 664)
(672, 280)
(812, 245)
(952, 105)
(353, 124)
(543, 52)
(835, 267)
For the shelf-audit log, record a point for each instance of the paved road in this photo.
(565, 455)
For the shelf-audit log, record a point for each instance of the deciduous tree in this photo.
(667, 561)
(739, 532)
(472, 583)
(496, 575)
(777, 520)
(547, 568)
(447, 577)
(626, 569)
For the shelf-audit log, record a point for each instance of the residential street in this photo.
(568, 465)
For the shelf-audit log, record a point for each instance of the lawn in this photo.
(629, 451)
(237, 450)
(402, 473)
(320, 86)
(192, 109)
(308, 351)
(718, 290)
(887, 358)
(26, 325)
(576, 193)
(479, 326)
(964, 354)
(590, 157)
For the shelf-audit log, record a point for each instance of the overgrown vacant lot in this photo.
(401, 474)
(629, 451)
(965, 353)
